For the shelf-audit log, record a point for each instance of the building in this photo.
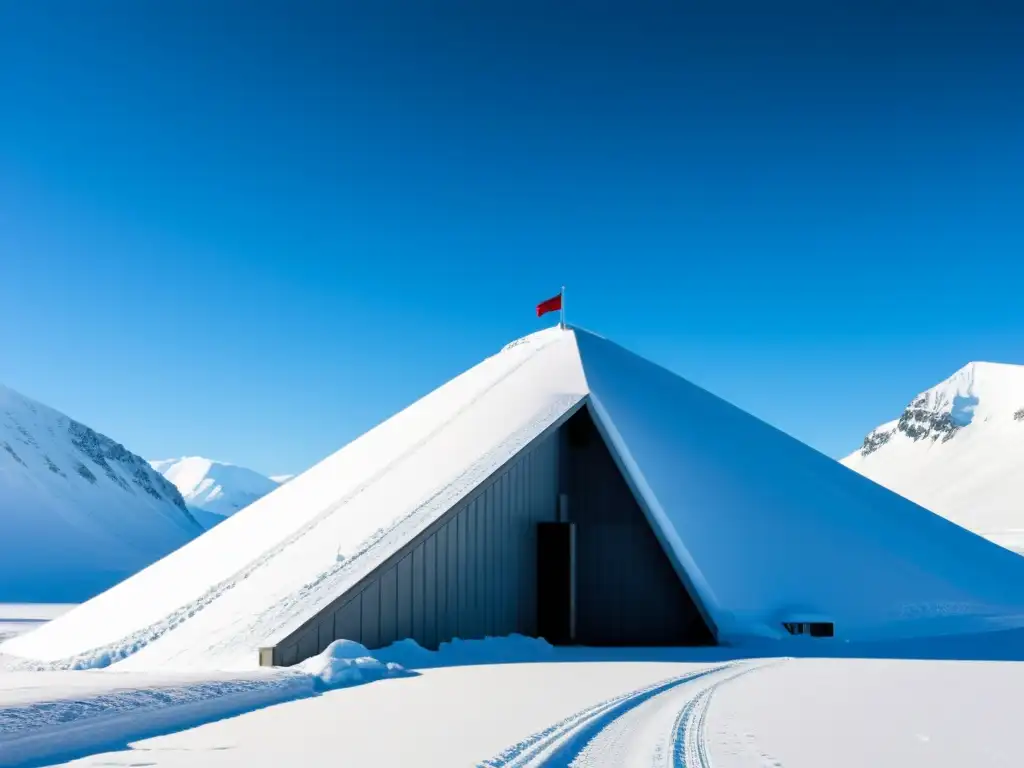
(650, 512)
(564, 487)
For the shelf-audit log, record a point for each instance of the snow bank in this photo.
(58, 715)
(50, 715)
(490, 650)
(344, 663)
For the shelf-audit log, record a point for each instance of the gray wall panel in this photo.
(370, 624)
(389, 606)
(441, 539)
(468, 618)
(468, 575)
(480, 566)
(325, 631)
(454, 599)
(503, 597)
(289, 655)
(627, 592)
(462, 614)
(419, 608)
(348, 620)
(308, 642)
(430, 592)
(403, 623)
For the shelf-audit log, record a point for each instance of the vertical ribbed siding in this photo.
(627, 592)
(470, 575)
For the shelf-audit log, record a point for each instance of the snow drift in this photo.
(958, 449)
(78, 511)
(759, 526)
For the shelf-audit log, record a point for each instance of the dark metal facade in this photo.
(627, 592)
(470, 574)
(473, 573)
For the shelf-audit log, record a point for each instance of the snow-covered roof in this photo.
(761, 526)
(766, 526)
(274, 563)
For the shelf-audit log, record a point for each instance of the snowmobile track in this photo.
(689, 746)
(582, 738)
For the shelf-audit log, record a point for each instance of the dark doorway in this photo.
(627, 592)
(555, 587)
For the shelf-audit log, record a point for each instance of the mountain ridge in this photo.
(215, 487)
(79, 510)
(958, 449)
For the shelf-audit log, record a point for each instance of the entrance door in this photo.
(556, 582)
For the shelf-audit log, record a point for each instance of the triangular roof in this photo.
(760, 527)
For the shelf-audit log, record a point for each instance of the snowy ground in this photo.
(519, 702)
(797, 713)
(16, 618)
(847, 713)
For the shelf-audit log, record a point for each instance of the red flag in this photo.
(549, 305)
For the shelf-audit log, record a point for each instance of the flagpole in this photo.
(561, 303)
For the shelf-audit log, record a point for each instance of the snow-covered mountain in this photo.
(958, 449)
(78, 511)
(213, 486)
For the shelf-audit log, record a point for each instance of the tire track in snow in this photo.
(689, 742)
(128, 645)
(659, 725)
(559, 744)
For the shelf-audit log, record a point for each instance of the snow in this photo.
(48, 715)
(45, 714)
(518, 701)
(847, 713)
(78, 511)
(764, 528)
(625, 708)
(17, 618)
(344, 663)
(214, 486)
(269, 567)
(456, 715)
(767, 528)
(972, 476)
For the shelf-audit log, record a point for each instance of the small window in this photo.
(812, 628)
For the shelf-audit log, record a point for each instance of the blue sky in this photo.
(252, 231)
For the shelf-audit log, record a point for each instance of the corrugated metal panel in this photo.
(454, 598)
(419, 608)
(403, 622)
(627, 592)
(370, 625)
(430, 592)
(348, 620)
(464, 616)
(469, 575)
(389, 606)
